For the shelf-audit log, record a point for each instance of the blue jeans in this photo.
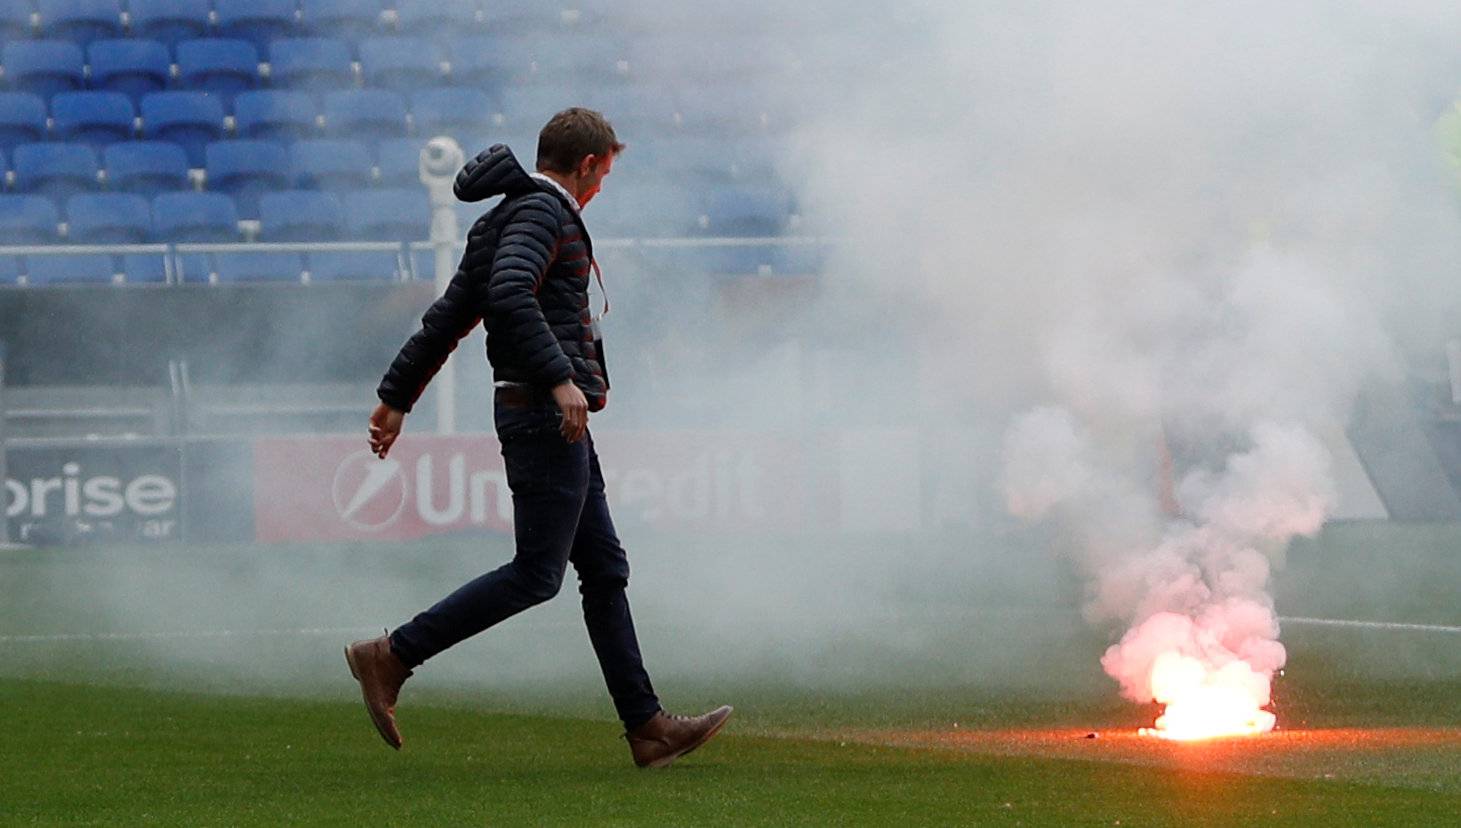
(560, 516)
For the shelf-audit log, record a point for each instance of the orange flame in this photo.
(1206, 702)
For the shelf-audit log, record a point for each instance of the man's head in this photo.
(577, 148)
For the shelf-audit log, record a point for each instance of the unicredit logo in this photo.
(369, 493)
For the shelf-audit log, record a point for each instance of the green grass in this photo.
(102, 755)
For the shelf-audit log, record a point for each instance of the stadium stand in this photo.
(55, 169)
(222, 66)
(257, 266)
(28, 219)
(132, 67)
(387, 214)
(434, 18)
(80, 21)
(44, 67)
(194, 217)
(275, 114)
(15, 19)
(146, 167)
(95, 118)
(400, 62)
(108, 218)
(299, 216)
(143, 268)
(245, 169)
(340, 18)
(399, 162)
(170, 21)
(521, 15)
(461, 112)
(369, 114)
(257, 21)
(329, 164)
(9, 270)
(85, 268)
(190, 119)
(311, 63)
(356, 265)
(22, 119)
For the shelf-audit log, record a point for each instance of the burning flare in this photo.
(1203, 703)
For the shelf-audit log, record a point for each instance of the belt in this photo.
(522, 396)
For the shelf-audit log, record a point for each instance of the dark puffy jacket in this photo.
(525, 274)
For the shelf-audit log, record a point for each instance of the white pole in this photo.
(440, 160)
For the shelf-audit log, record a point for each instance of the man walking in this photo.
(525, 275)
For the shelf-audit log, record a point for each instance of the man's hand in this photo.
(385, 427)
(574, 406)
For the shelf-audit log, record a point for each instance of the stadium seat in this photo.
(80, 21)
(44, 67)
(399, 162)
(108, 218)
(22, 118)
(388, 215)
(28, 219)
(433, 17)
(170, 21)
(146, 167)
(191, 119)
(15, 19)
(275, 114)
(352, 265)
(96, 118)
(330, 165)
(488, 61)
(144, 268)
(257, 21)
(523, 16)
(365, 114)
(258, 266)
(400, 62)
(9, 270)
(222, 66)
(55, 169)
(461, 112)
(132, 67)
(245, 169)
(299, 216)
(745, 210)
(635, 109)
(310, 63)
(194, 217)
(340, 18)
(70, 268)
(646, 208)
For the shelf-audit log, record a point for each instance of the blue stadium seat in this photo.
(340, 18)
(28, 219)
(9, 270)
(133, 67)
(146, 167)
(55, 169)
(144, 268)
(194, 217)
(170, 21)
(365, 114)
(258, 266)
(95, 118)
(488, 61)
(461, 112)
(222, 66)
(310, 63)
(352, 265)
(275, 114)
(399, 162)
(523, 15)
(388, 215)
(191, 119)
(245, 169)
(15, 19)
(330, 165)
(108, 218)
(634, 109)
(433, 17)
(44, 67)
(22, 118)
(299, 216)
(400, 62)
(746, 210)
(646, 208)
(257, 21)
(70, 268)
(81, 21)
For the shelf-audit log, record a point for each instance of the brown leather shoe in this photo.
(381, 675)
(665, 738)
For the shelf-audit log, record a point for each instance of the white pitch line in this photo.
(1370, 625)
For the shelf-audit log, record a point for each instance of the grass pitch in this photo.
(144, 717)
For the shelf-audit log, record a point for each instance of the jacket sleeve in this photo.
(528, 243)
(449, 318)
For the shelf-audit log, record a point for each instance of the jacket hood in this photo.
(494, 172)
